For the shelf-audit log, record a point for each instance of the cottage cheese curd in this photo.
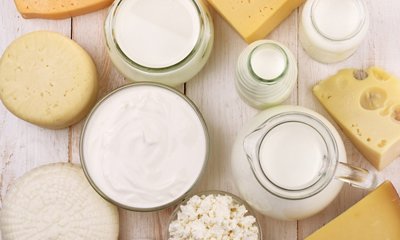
(214, 216)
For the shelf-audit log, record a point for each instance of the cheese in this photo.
(48, 80)
(58, 9)
(376, 217)
(56, 201)
(368, 111)
(254, 19)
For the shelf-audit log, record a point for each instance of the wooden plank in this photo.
(378, 49)
(24, 146)
(214, 92)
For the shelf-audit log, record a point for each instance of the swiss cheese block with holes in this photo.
(48, 80)
(254, 19)
(56, 201)
(366, 105)
(58, 9)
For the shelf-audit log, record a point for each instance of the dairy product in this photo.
(377, 216)
(266, 74)
(55, 201)
(255, 19)
(169, 30)
(365, 104)
(213, 216)
(57, 9)
(331, 30)
(303, 150)
(48, 80)
(287, 162)
(166, 41)
(144, 146)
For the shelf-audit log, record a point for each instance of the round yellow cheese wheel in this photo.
(56, 201)
(48, 80)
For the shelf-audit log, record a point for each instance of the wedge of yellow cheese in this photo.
(58, 9)
(254, 19)
(376, 217)
(366, 105)
(48, 80)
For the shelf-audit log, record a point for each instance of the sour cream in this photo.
(144, 146)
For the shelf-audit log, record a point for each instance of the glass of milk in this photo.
(165, 41)
(290, 163)
(266, 74)
(332, 30)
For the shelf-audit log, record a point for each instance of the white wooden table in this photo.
(24, 146)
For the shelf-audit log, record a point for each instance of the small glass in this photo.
(324, 44)
(266, 74)
(172, 75)
(235, 198)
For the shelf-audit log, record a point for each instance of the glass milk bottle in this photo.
(289, 163)
(331, 30)
(165, 41)
(266, 74)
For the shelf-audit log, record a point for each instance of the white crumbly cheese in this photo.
(56, 202)
(214, 217)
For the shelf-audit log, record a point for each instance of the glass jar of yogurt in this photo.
(165, 41)
(266, 74)
(289, 163)
(144, 146)
(331, 30)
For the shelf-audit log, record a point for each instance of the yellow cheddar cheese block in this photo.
(376, 217)
(58, 9)
(366, 105)
(48, 80)
(255, 19)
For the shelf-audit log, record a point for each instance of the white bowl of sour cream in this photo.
(144, 146)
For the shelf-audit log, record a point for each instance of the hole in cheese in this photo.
(396, 114)
(360, 74)
(380, 75)
(373, 98)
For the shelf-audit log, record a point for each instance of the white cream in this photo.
(332, 30)
(157, 33)
(144, 146)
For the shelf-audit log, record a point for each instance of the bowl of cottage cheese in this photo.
(213, 215)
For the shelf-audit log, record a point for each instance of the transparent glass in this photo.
(235, 198)
(324, 46)
(172, 75)
(273, 199)
(261, 92)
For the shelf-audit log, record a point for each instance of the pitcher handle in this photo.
(356, 177)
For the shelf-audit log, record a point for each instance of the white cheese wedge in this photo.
(56, 202)
(48, 80)
(366, 105)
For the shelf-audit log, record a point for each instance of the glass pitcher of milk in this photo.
(290, 163)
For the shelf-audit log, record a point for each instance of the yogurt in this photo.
(332, 30)
(166, 41)
(144, 146)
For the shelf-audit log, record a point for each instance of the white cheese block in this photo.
(57, 202)
(48, 80)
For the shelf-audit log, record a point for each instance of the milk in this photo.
(331, 30)
(268, 62)
(292, 155)
(156, 33)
